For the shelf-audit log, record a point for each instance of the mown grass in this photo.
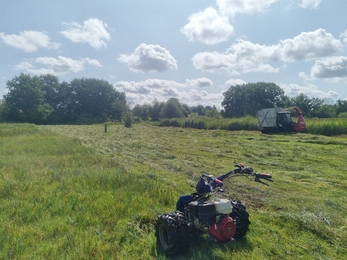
(60, 199)
(76, 192)
(201, 122)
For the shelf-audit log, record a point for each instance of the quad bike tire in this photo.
(172, 233)
(241, 217)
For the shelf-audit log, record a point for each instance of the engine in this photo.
(224, 230)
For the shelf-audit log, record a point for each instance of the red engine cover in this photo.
(224, 231)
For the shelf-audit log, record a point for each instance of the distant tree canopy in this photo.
(307, 105)
(247, 99)
(44, 100)
(172, 108)
(25, 100)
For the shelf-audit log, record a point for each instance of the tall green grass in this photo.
(320, 126)
(329, 127)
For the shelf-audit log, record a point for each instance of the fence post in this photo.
(105, 128)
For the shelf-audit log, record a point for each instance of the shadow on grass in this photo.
(203, 247)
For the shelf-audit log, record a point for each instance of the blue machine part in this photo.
(181, 201)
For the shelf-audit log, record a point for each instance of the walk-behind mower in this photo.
(205, 212)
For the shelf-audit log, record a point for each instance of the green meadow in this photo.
(78, 192)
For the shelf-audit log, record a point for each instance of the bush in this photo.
(343, 115)
(128, 118)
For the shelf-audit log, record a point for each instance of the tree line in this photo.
(243, 100)
(44, 100)
(247, 99)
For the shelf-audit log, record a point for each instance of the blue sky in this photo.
(190, 50)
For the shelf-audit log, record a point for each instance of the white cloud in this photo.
(310, 45)
(155, 89)
(213, 61)
(309, 90)
(234, 82)
(203, 97)
(149, 58)
(29, 41)
(245, 56)
(149, 84)
(232, 7)
(233, 63)
(208, 27)
(332, 67)
(92, 62)
(309, 3)
(200, 82)
(161, 83)
(344, 37)
(304, 76)
(93, 31)
(171, 92)
(61, 65)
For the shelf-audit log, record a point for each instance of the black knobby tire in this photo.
(172, 233)
(241, 217)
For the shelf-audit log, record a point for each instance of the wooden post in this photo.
(105, 128)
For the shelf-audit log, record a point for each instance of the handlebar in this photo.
(263, 176)
(240, 170)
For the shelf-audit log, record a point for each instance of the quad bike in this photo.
(197, 213)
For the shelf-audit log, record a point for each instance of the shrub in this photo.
(343, 115)
(128, 118)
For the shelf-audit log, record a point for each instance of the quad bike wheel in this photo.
(241, 217)
(172, 233)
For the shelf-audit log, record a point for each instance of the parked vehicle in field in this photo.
(222, 219)
(272, 120)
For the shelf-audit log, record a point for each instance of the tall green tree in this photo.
(154, 110)
(50, 87)
(341, 106)
(90, 98)
(142, 111)
(185, 109)
(2, 108)
(44, 100)
(212, 112)
(199, 109)
(25, 100)
(172, 109)
(247, 99)
(324, 111)
(306, 104)
(118, 108)
(64, 108)
(285, 102)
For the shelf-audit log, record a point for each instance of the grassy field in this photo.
(76, 192)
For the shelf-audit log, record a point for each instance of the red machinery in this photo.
(279, 120)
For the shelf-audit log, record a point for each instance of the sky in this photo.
(192, 50)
